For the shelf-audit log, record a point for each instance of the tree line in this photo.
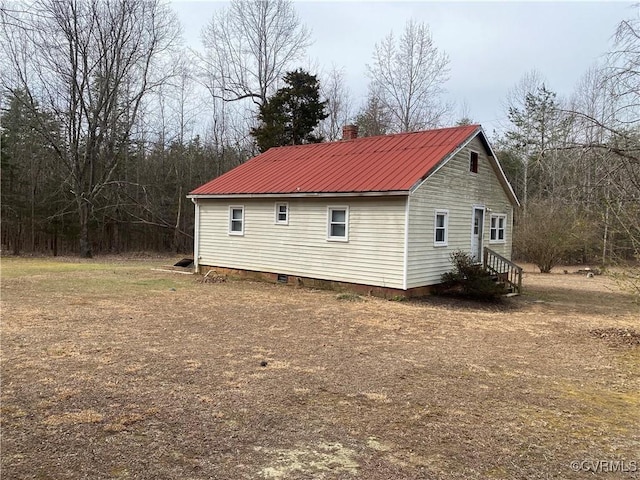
(575, 163)
(108, 121)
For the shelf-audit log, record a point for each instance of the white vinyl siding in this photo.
(373, 255)
(453, 188)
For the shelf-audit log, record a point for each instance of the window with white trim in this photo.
(441, 227)
(282, 213)
(236, 220)
(497, 230)
(338, 224)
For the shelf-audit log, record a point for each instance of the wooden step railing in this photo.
(505, 269)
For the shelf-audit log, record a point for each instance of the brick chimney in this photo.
(349, 132)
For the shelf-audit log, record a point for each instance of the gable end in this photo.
(495, 165)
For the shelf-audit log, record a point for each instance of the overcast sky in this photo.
(491, 45)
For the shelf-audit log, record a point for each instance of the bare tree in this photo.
(373, 118)
(339, 104)
(249, 46)
(177, 102)
(609, 116)
(92, 64)
(591, 168)
(464, 115)
(185, 108)
(409, 75)
(623, 72)
(622, 76)
(548, 233)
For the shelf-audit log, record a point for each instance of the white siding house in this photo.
(382, 212)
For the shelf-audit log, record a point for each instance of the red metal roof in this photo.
(370, 164)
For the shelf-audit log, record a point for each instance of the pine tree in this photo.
(30, 181)
(291, 115)
(538, 128)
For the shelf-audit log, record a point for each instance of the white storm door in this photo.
(476, 233)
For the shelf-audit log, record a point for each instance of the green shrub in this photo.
(469, 279)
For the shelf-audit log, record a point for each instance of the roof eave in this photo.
(387, 193)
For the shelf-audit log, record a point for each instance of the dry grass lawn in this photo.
(113, 370)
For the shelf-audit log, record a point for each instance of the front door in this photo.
(476, 233)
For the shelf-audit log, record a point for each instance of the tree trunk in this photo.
(176, 231)
(85, 245)
(55, 240)
(17, 238)
(605, 236)
(525, 186)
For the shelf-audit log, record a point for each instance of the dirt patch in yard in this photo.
(114, 370)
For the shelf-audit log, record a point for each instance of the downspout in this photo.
(196, 236)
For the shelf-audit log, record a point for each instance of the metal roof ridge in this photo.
(372, 137)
